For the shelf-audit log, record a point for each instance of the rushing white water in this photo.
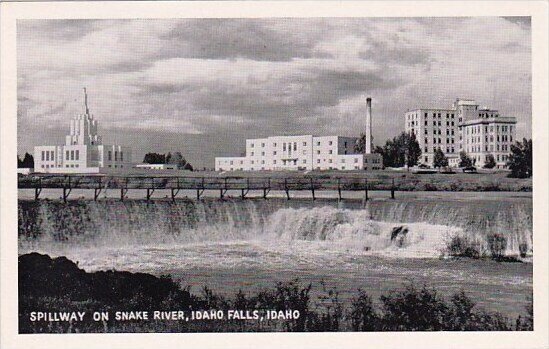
(265, 228)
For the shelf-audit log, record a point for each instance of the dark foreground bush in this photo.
(55, 285)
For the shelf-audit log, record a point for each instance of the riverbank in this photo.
(64, 288)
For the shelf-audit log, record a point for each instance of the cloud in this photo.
(231, 79)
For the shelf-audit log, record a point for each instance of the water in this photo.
(249, 244)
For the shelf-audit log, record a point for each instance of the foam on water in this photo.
(231, 234)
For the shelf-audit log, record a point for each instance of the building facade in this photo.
(304, 152)
(83, 151)
(478, 131)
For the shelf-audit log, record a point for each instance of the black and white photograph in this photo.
(360, 173)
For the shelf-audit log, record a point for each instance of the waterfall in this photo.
(352, 227)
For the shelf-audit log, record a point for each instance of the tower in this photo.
(83, 128)
(368, 133)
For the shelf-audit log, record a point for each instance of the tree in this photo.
(440, 160)
(400, 151)
(465, 160)
(360, 146)
(520, 160)
(178, 159)
(490, 161)
(154, 158)
(412, 148)
(27, 162)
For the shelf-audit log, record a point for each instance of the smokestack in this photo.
(368, 144)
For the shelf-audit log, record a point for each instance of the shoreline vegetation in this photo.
(405, 181)
(58, 285)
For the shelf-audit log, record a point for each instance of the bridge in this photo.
(101, 183)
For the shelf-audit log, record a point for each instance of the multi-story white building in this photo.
(304, 152)
(463, 127)
(83, 151)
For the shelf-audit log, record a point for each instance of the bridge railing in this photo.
(205, 183)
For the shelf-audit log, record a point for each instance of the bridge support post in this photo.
(286, 188)
(37, 192)
(149, 193)
(313, 189)
(96, 193)
(365, 189)
(393, 189)
(339, 188)
(66, 192)
(174, 193)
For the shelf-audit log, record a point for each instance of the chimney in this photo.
(368, 145)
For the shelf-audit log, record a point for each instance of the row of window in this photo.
(67, 166)
(290, 144)
(304, 161)
(48, 155)
(116, 153)
(478, 129)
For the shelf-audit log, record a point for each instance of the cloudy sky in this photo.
(202, 86)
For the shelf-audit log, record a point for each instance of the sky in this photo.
(202, 86)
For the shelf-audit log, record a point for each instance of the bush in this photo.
(523, 249)
(363, 315)
(497, 244)
(462, 246)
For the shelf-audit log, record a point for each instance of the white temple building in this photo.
(83, 152)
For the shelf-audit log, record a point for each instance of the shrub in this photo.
(414, 310)
(462, 246)
(363, 315)
(497, 244)
(523, 249)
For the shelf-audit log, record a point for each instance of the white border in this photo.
(538, 10)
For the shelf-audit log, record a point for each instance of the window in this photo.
(304, 144)
(251, 145)
(110, 156)
(274, 162)
(318, 151)
(330, 151)
(262, 153)
(274, 144)
(43, 155)
(318, 161)
(121, 156)
(295, 146)
(283, 146)
(66, 155)
(72, 154)
(77, 155)
(274, 152)
(116, 155)
(262, 145)
(330, 161)
(252, 153)
(342, 161)
(317, 143)
(356, 160)
(330, 143)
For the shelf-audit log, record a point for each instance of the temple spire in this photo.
(86, 102)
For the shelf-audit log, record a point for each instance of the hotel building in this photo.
(83, 151)
(304, 152)
(479, 131)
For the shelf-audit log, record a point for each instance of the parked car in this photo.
(470, 169)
